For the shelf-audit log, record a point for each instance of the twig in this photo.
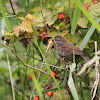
(54, 66)
(87, 85)
(85, 82)
(96, 82)
(23, 61)
(11, 77)
(12, 7)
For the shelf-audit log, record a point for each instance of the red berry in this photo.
(49, 93)
(53, 74)
(86, 70)
(36, 98)
(25, 15)
(61, 16)
(94, 1)
(30, 77)
(85, 6)
(42, 34)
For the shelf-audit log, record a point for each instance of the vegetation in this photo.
(29, 66)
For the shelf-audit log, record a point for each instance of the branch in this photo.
(23, 61)
(12, 7)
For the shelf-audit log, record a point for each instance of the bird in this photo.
(64, 50)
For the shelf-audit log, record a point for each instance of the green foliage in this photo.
(27, 35)
(94, 10)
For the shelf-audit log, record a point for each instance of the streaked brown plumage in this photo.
(65, 50)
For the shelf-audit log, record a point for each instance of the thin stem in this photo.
(12, 7)
(23, 61)
(11, 77)
(54, 66)
(87, 85)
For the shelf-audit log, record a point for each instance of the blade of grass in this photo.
(79, 4)
(38, 88)
(5, 17)
(75, 20)
(73, 28)
(71, 83)
(44, 91)
(49, 69)
(70, 13)
(88, 35)
(65, 78)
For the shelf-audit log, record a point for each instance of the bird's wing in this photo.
(68, 47)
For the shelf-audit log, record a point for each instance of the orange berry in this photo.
(30, 77)
(85, 6)
(36, 98)
(49, 93)
(94, 1)
(53, 74)
(61, 16)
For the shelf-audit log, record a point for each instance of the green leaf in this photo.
(75, 20)
(94, 10)
(51, 20)
(79, 4)
(60, 8)
(87, 2)
(71, 83)
(88, 35)
(82, 22)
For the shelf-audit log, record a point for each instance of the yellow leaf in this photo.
(26, 26)
(29, 16)
(8, 33)
(29, 35)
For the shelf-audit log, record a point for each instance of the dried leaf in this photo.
(16, 30)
